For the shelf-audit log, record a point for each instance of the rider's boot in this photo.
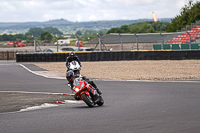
(99, 91)
(69, 84)
(95, 86)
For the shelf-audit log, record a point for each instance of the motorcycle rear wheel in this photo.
(88, 100)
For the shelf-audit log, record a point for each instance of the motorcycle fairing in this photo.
(79, 84)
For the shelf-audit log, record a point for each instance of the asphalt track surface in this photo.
(130, 106)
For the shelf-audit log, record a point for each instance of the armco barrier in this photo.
(110, 56)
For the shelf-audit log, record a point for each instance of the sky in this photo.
(87, 10)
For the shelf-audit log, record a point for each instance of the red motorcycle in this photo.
(87, 93)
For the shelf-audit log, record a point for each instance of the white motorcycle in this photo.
(75, 67)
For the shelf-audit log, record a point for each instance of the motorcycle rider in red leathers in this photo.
(70, 77)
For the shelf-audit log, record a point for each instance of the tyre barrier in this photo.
(110, 56)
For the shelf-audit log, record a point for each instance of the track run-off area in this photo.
(130, 106)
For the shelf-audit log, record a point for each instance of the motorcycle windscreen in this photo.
(73, 62)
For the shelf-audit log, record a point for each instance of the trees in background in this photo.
(6, 37)
(46, 36)
(141, 27)
(79, 33)
(35, 31)
(38, 30)
(189, 14)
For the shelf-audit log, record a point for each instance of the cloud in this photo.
(87, 10)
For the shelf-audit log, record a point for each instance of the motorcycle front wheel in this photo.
(88, 100)
(101, 101)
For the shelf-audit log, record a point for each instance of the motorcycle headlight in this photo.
(76, 89)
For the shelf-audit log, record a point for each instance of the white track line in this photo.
(45, 105)
(73, 101)
(40, 74)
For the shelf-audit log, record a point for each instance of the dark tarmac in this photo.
(15, 101)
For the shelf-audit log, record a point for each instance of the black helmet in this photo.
(70, 75)
(72, 54)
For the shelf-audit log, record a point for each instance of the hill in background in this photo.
(68, 26)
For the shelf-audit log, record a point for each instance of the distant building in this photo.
(62, 42)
